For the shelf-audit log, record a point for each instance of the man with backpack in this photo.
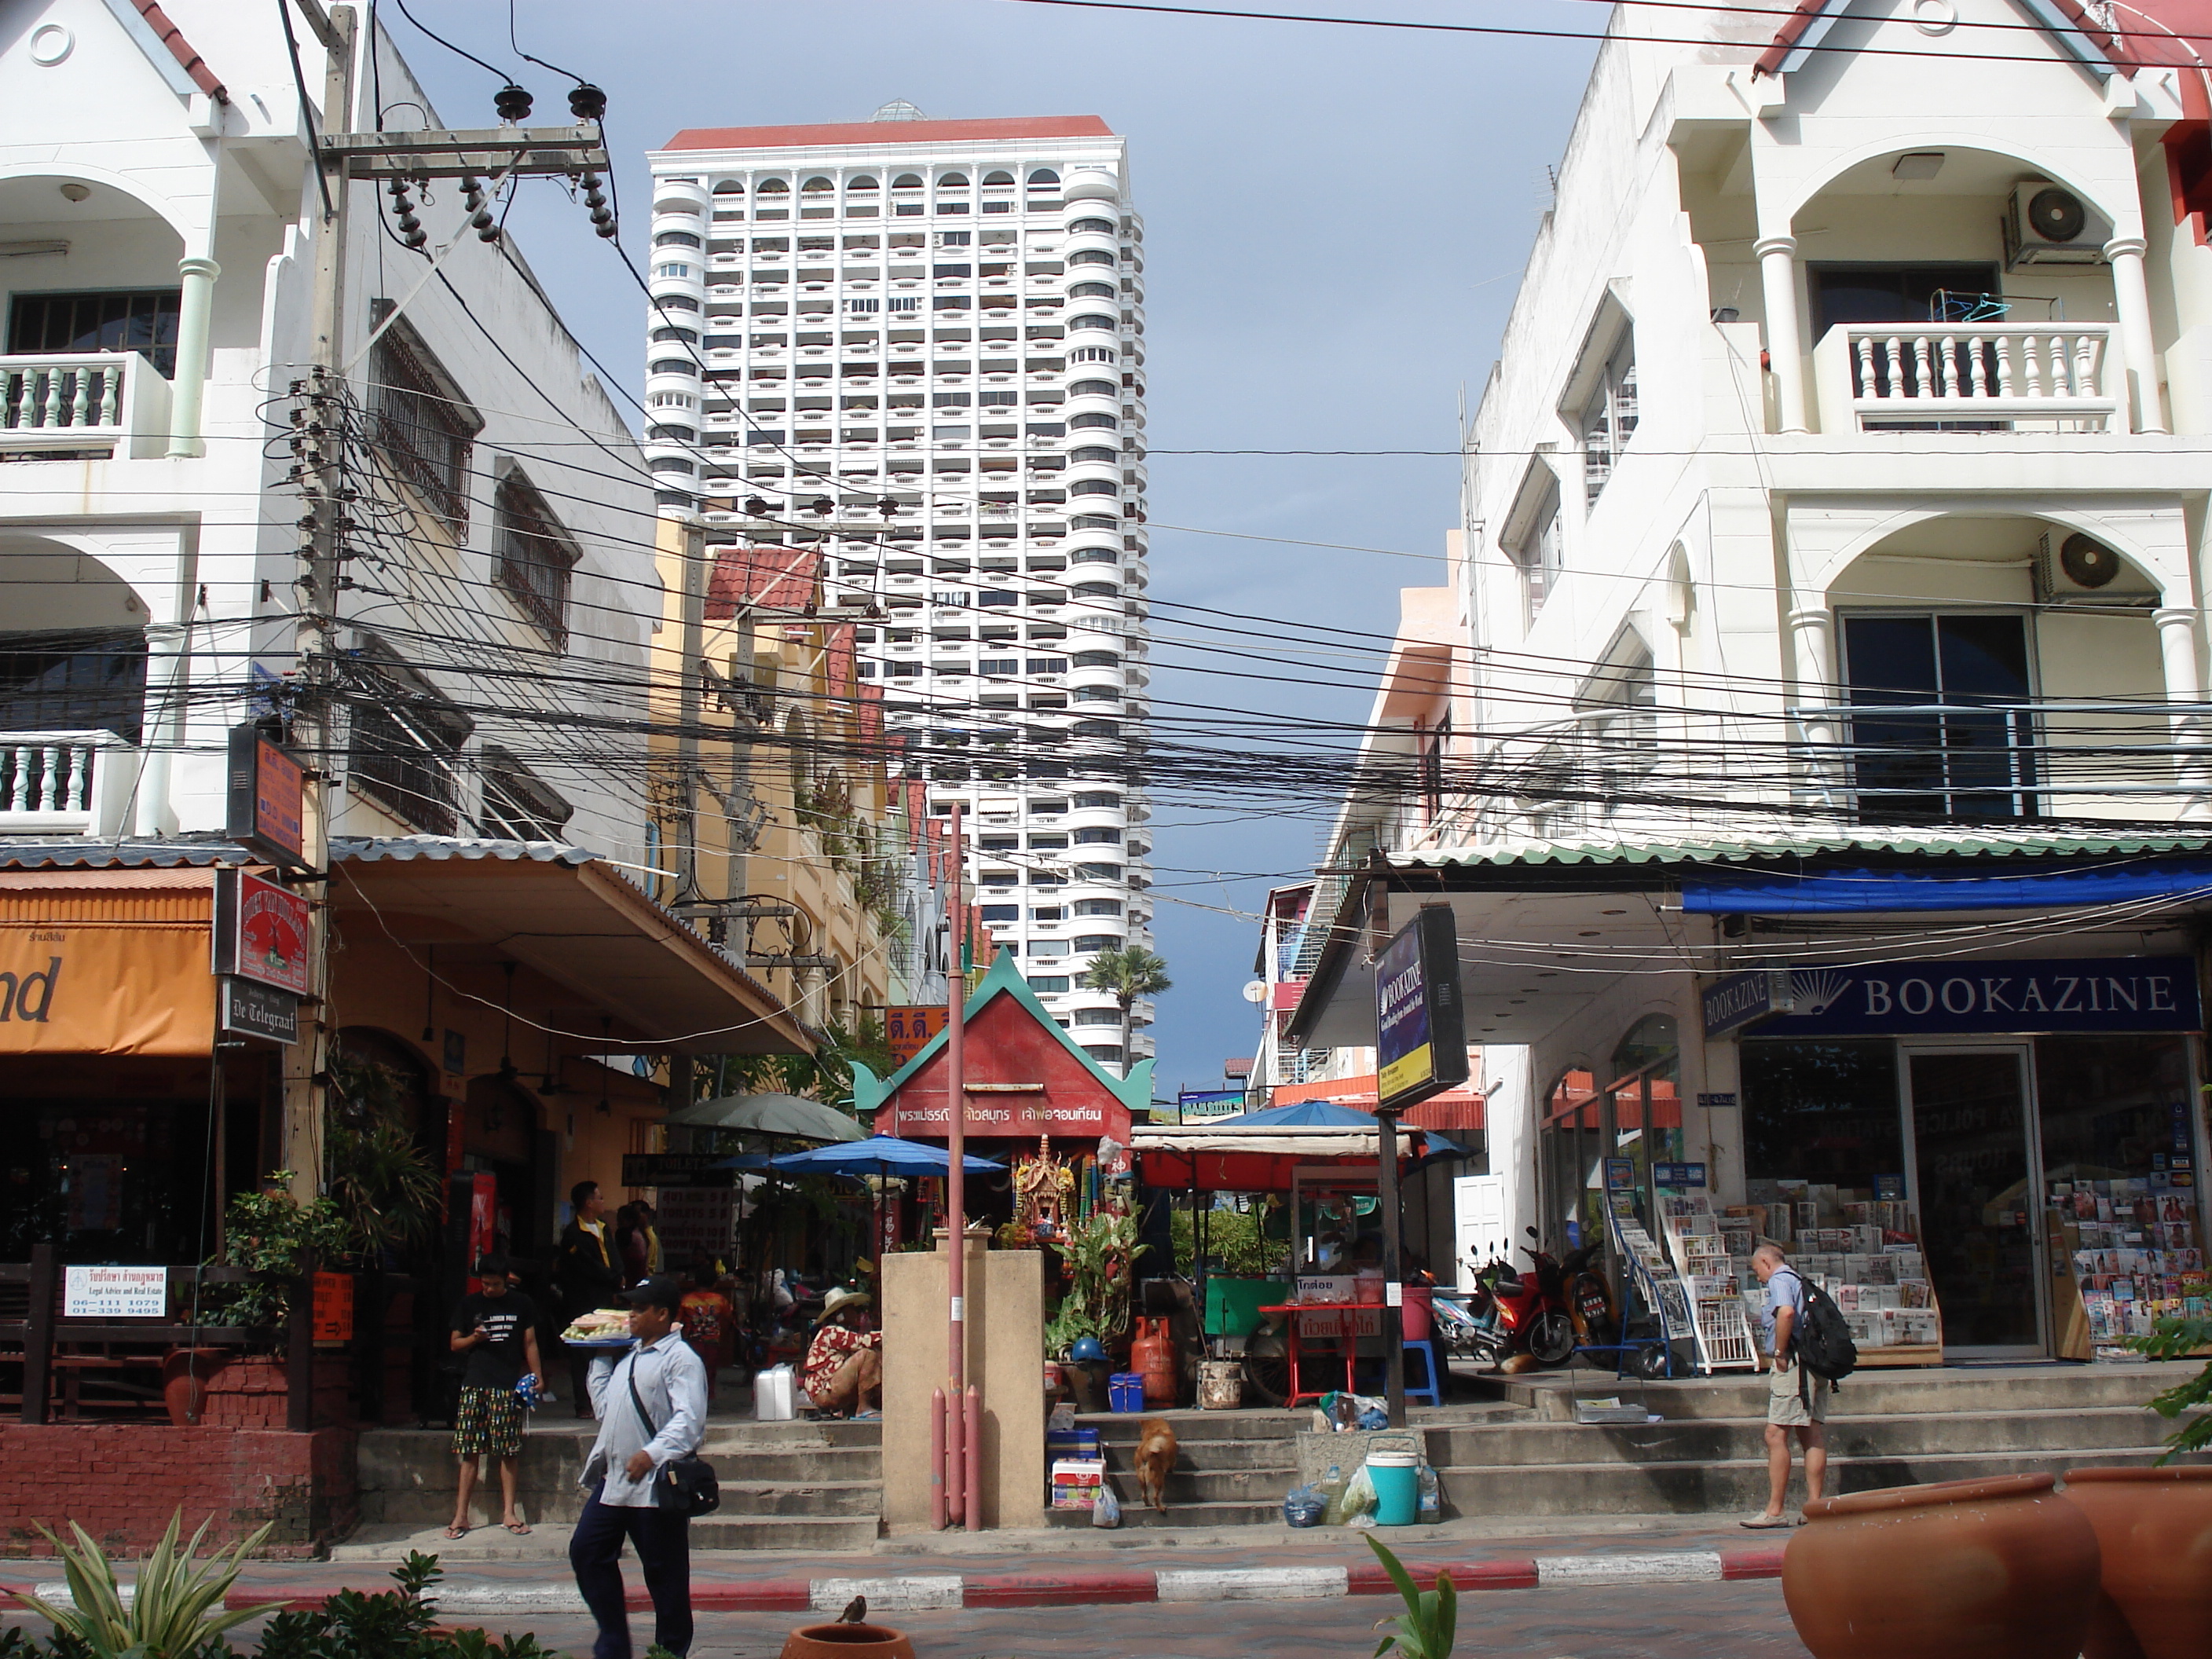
(1796, 1397)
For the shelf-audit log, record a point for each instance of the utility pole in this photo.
(343, 158)
(962, 1505)
(689, 705)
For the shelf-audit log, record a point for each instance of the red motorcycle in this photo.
(1528, 1313)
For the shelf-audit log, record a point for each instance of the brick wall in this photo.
(121, 1482)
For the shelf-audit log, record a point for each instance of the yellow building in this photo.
(777, 827)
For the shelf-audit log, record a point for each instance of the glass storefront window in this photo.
(2111, 1106)
(1822, 1112)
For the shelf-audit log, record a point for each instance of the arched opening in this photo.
(818, 185)
(772, 187)
(952, 181)
(72, 643)
(1570, 1161)
(863, 183)
(729, 187)
(907, 181)
(1983, 661)
(1043, 176)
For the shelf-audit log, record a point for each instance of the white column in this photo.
(187, 392)
(1810, 632)
(2185, 685)
(2131, 300)
(1786, 351)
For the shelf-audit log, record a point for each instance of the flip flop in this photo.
(456, 1531)
(1768, 1523)
(519, 1529)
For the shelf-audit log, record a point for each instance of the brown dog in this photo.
(1155, 1461)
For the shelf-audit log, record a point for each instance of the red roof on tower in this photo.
(891, 132)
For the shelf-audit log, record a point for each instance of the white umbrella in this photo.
(770, 1114)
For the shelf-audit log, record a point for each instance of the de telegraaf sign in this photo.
(2117, 994)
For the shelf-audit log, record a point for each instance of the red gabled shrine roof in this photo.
(903, 133)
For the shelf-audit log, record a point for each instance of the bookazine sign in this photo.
(1420, 1028)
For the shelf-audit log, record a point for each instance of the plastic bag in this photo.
(1432, 1497)
(1062, 1420)
(1305, 1506)
(1359, 1497)
(1373, 1417)
(1107, 1510)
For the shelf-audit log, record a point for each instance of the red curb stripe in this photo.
(1049, 1589)
(1752, 1564)
(762, 1595)
(1374, 1579)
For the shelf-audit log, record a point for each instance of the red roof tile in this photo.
(891, 132)
(181, 50)
(776, 578)
(1792, 31)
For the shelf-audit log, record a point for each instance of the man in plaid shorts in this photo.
(498, 1329)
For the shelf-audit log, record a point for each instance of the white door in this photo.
(1478, 1231)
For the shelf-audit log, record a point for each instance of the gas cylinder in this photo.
(1154, 1355)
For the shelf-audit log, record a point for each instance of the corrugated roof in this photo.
(118, 855)
(372, 849)
(776, 578)
(904, 135)
(1976, 842)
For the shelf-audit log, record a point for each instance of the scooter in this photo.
(1528, 1313)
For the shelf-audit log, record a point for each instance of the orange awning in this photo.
(106, 962)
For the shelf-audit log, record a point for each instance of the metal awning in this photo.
(1546, 928)
(570, 916)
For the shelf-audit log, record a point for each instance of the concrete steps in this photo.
(1231, 1468)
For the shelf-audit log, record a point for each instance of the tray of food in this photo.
(607, 1327)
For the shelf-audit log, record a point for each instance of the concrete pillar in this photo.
(168, 675)
(1786, 350)
(188, 391)
(2131, 300)
(2185, 685)
(1813, 663)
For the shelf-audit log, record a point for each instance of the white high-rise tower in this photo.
(917, 346)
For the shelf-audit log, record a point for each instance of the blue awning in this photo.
(1833, 891)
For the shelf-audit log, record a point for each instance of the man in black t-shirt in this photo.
(498, 1329)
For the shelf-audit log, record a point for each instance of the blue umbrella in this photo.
(1300, 1114)
(877, 1155)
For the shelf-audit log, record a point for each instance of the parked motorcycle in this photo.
(1527, 1314)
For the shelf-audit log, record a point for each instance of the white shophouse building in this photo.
(1829, 597)
(918, 346)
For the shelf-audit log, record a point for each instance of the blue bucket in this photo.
(1125, 1391)
(1397, 1480)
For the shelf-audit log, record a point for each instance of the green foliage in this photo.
(1100, 1254)
(1430, 1623)
(1127, 974)
(826, 1074)
(395, 1624)
(381, 1182)
(272, 1232)
(176, 1611)
(2174, 1338)
(1233, 1240)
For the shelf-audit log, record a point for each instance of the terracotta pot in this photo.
(2154, 1527)
(184, 1374)
(846, 1642)
(1997, 1569)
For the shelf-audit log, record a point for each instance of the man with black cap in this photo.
(652, 1406)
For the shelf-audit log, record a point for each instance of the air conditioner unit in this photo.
(2047, 224)
(2079, 569)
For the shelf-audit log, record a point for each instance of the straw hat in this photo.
(840, 1299)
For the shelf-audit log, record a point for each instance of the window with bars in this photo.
(422, 424)
(518, 804)
(1608, 418)
(1540, 554)
(535, 555)
(405, 745)
(127, 320)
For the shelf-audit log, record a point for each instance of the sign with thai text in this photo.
(907, 1030)
(2094, 994)
(108, 1292)
(1420, 1033)
(265, 804)
(1000, 1115)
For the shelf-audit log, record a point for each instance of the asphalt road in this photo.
(1732, 1620)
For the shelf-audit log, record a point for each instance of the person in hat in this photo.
(844, 1372)
(652, 1406)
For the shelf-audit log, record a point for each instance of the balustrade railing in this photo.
(100, 401)
(1969, 377)
(52, 780)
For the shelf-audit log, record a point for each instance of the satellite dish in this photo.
(1257, 992)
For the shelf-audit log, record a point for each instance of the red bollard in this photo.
(973, 1415)
(956, 1486)
(937, 1460)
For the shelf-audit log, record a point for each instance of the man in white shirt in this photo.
(652, 1406)
(1793, 1400)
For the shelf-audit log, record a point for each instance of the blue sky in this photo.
(1334, 223)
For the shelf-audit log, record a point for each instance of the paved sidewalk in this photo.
(1031, 1571)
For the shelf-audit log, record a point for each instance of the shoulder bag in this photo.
(684, 1484)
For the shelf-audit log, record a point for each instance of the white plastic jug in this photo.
(773, 1395)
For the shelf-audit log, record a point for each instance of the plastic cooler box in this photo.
(1125, 1391)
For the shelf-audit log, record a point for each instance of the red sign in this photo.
(999, 1115)
(266, 799)
(333, 1309)
(262, 932)
(907, 1030)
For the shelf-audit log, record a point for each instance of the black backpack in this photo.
(1821, 1341)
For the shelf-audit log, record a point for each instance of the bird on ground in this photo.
(855, 1611)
